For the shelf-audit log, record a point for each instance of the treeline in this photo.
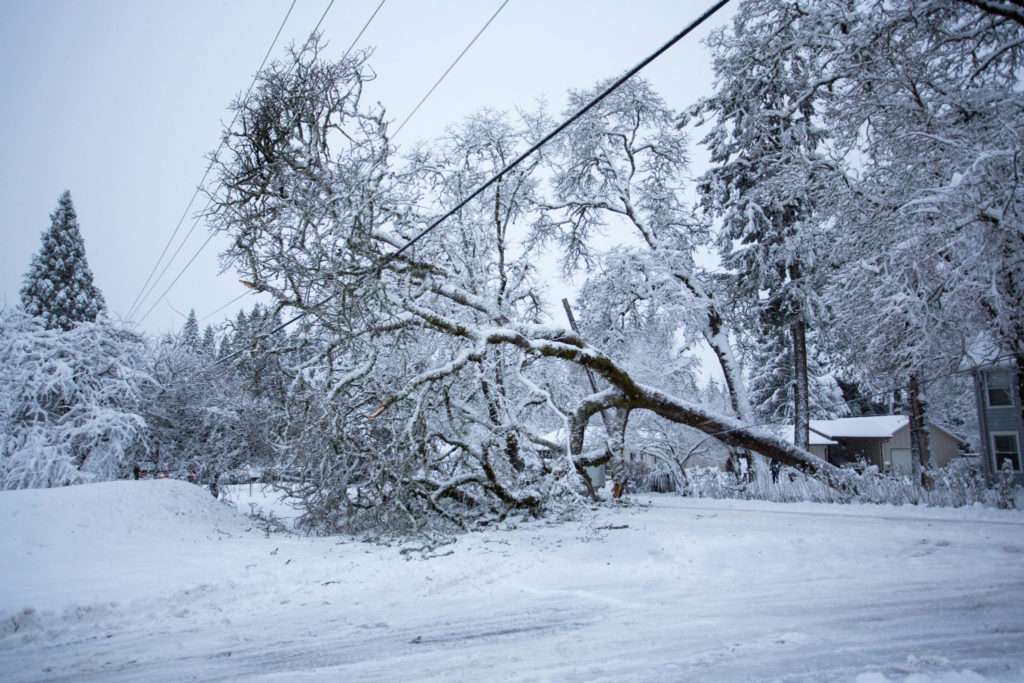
(863, 201)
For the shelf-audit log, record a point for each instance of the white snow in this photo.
(786, 432)
(155, 580)
(873, 426)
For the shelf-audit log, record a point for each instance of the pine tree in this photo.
(58, 286)
(190, 332)
(209, 343)
(772, 379)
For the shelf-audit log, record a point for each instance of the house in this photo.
(1000, 423)
(818, 444)
(880, 440)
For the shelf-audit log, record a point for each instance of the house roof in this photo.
(786, 432)
(871, 427)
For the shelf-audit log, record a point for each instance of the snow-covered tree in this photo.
(70, 401)
(426, 391)
(58, 286)
(625, 164)
(190, 332)
(932, 111)
(768, 168)
(201, 416)
(771, 379)
(208, 345)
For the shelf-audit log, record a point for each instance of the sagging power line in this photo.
(582, 111)
(206, 174)
(213, 160)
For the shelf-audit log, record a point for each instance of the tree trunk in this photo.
(919, 447)
(801, 405)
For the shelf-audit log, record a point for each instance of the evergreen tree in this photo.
(190, 332)
(768, 168)
(58, 286)
(209, 343)
(772, 379)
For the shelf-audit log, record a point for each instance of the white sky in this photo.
(119, 101)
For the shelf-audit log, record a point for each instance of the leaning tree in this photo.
(427, 389)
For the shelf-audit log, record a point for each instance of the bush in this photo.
(959, 484)
(69, 401)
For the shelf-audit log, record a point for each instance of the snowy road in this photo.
(156, 581)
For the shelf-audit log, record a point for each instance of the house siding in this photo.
(943, 446)
(999, 419)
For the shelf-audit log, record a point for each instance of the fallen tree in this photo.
(424, 386)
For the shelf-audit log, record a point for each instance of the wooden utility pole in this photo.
(619, 486)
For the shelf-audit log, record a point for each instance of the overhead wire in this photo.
(221, 308)
(217, 152)
(177, 277)
(209, 166)
(513, 164)
(448, 70)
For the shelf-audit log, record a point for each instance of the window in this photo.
(1006, 450)
(998, 386)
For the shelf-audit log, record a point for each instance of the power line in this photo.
(213, 161)
(207, 172)
(362, 31)
(215, 312)
(167, 266)
(178, 277)
(520, 159)
(290, 68)
(449, 69)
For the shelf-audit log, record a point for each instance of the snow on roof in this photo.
(786, 432)
(871, 427)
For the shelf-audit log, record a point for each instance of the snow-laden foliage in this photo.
(959, 484)
(424, 389)
(625, 164)
(866, 172)
(58, 286)
(932, 222)
(772, 378)
(69, 401)
(202, 418)
(768, 170)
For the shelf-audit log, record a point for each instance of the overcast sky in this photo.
(119, 101)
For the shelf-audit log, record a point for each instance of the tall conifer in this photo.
(58, 286)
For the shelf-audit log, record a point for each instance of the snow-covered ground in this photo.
(155, 580)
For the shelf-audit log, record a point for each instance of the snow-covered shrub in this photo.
(202, 418)
(959, 484)
(69, 401)
(642, 477)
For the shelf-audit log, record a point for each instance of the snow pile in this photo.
(64, 544)
(155, 580)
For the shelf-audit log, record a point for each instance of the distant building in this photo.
(879, 440)
(999, 417)
(818, 444)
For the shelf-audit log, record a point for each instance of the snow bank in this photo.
(149, 508)
(57, 543)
